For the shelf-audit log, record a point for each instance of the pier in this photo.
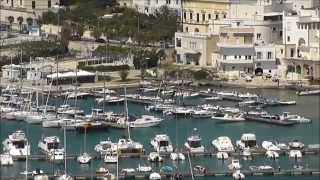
(210, 173)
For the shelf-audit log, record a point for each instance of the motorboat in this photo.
(296, 154)
(179, 111)
(201, 113)
(16, 144)
(128, 171)
(109, 99)
(155, 176)
(177, 156)
(308, 92)
(261, 168)
(104, 146)
(223, 144)
(6, 159)
(49, 143)
(155, 157)
(298, 119)
(222, 155)
(235, 164)
(296, 144)
(144, 169)
(213, 98)
(269, 146)
(38, 174)
(230, 110)
(65, 177)
(247, 140)
(162, 143)
(199, 169)
(237, 175)
(104, 172)
(125, 146)
(145, 121)
(246, 154)
(56, 155)
(193, 143)
(230, 118)
(84, 158)
(287, 103)
(272, 154)
(67, 122)
(111, 157)
(69, 110)
(34, 118)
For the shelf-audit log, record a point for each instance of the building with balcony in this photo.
(302, 34)
(236, 51)
(150, 6)
(198, 13)
(265, 61)
(195, 48)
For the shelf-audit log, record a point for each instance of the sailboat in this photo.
(85, 157)
(65, 176)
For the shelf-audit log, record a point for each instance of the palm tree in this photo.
(10, 19)
(20, 20)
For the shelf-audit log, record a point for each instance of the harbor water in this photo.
(179, 129)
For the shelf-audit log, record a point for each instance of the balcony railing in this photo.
(235, 61)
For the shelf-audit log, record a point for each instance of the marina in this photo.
(180, 120)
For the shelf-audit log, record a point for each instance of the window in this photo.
(217, 16)
(233, 68)
(187, 29)
(49, 3)
(224, 16)
(259, 55)
(209, 16)
(235, 57)
(184, 15)
(224, 57)
(281, 50)
(288, 38)
(177, 1)
(291, 52)
(193, 45)
(269, 55)
(33, 4)
(191, 16)
(258, 36)
(203, 17)
(197, 17)
(20, 2)
(178, 42)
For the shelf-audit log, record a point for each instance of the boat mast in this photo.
(65, 150)
(190, 166)
(126, 111)
(104, 91)
(75, 93)
(26, 175)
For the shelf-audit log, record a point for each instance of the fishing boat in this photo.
(162, 143)
(223, 144)
(16, 144)
(230, 118)
(145, 121)
(193, 143)
(248, 140)
(6, 159)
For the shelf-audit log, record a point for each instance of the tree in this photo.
(10, 19)
(20, 20)
(123, 74)
(29, 21)
(65, 35)
(96, 32)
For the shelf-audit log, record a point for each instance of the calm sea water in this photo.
(179, 129)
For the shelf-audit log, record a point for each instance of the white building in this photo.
(11, 72)
(150, 6)
(265, 59)
(195, 48)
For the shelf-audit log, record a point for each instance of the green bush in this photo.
(102, 68)
(201, 74)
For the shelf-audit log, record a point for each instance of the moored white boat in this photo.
(16, 144)
(145, 121)
(269, 146)
(84, 158)
(223, 144)
(162, 143)
(6, 159)
(229, 118)
(193, 143)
